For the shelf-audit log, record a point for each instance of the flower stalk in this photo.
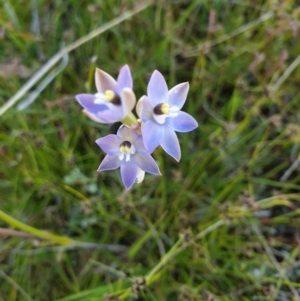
(129, 120)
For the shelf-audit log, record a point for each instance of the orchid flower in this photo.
(127, 151)
(114, 100)
(161, 115)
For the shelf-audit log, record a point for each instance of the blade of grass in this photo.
(59, 55)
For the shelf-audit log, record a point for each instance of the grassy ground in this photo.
(223, 224)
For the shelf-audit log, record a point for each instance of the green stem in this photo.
(35, 232)
(129, 119)
(177, 248)
(164, 260)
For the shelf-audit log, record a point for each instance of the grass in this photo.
(222, 224)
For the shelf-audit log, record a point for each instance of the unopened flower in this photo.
(161, 115)
(114, 99)
(127, 151)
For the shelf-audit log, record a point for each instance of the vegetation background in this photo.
(222, 224)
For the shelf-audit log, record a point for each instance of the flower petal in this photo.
(128, 174)
(152, 134)
(170, 144)
(183, 122)
(87, 102)
(104, 81)
(110, 115)
(124, 79)
(178, 94)
(126, 133)
(140, 176)
(146, 163)
(140, 146)
(109, 163)
(128, 101)
(139, 107)
(110, 144)
(146, 110)
(93, 117)
(157, 89)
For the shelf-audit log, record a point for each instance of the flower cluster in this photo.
(159, 114)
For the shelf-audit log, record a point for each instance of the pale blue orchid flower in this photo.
(161, 115)
(127, 151)
(114, 99)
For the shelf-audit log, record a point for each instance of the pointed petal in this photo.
(109, 163)
(128, 174)
(104, 81)
(146, 163)
(183, 122)
(124, 79)
(144, 109)
(152, 134)
(126, 133)
(140, 146)
(138, 108)
(87, 102)
(170, 144)
(178, 94)
(93, 117)
(110, 144)
(140, 176)
(157, 89)
(128, 101)
(110, 116)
